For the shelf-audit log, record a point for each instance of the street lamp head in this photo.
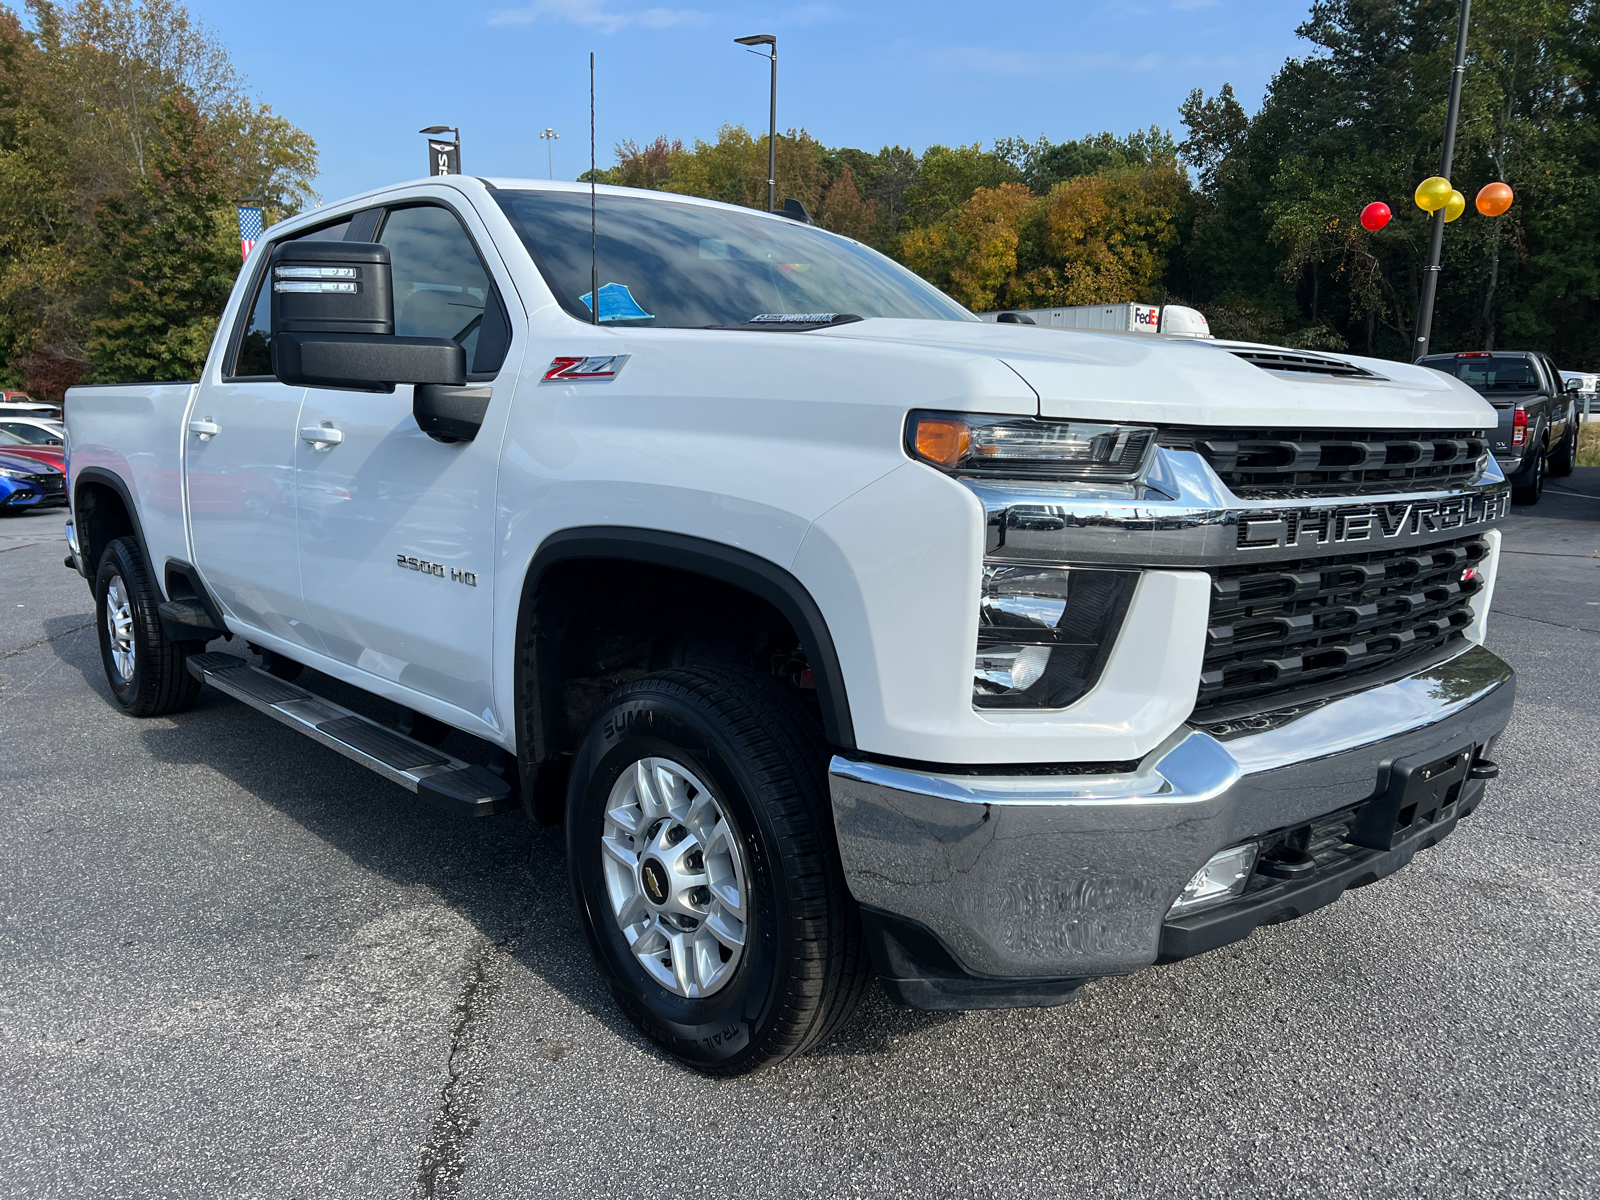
(759, 39)
(438, 129)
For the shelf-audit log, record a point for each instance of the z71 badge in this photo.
(454, 574)
(1367, 523)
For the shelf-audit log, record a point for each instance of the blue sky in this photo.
(363, 77)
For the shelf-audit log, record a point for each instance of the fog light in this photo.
(1001, 669)
(1219, 881)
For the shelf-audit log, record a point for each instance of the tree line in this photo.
(127, 137)
(1253, 217)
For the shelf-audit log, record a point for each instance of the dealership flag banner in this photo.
(249, 229)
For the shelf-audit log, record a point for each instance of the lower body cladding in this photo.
(988, 891)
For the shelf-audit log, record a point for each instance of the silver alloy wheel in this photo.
(119, 624)
(675, 875)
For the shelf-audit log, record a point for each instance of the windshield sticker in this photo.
(617, 304)
(789, 318)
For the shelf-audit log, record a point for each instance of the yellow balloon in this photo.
(1455, 206)
(1433, 193)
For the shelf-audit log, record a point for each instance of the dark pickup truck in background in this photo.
(1538, 430)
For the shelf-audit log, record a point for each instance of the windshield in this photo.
(678, 266)
(1487, 375)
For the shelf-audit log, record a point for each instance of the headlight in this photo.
(8, 473)
(1029, 448)
(1044, 633)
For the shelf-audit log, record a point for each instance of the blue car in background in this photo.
(25, 482)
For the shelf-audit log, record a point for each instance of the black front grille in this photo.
(49, 484)
(1259, 464)
(1291, 629)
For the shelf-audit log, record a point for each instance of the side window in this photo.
(440, 286)
(253, 358)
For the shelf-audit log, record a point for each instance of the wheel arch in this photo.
(103, 509)
(739, 569)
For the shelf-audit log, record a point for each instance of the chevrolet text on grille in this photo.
(1365, 523)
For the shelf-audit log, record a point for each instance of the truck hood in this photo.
(1101, 375)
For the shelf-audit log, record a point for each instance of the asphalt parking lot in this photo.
(234, 964)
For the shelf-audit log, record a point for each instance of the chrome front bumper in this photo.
(1065, 877)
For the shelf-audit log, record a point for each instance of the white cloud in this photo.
(593, 14)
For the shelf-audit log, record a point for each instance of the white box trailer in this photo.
(1125, 318)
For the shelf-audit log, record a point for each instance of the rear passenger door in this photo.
(396, 529)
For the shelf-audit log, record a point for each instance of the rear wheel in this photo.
(146, 668)
(1529, 492)
(701, 850)
(1566, 457)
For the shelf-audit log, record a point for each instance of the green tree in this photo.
(86, 96)
(170, 258)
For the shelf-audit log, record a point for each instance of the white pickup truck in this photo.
(847, 634)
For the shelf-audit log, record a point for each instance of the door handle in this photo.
(205, 430)
(321, 436)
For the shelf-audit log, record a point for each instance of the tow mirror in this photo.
(333, 322)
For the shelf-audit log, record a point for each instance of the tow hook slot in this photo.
(1286, 862)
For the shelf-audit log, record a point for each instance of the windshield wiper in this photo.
(792, 322)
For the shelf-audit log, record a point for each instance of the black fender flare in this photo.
(759, 576)
(99, 475)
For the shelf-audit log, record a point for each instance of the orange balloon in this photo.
(1494, 199)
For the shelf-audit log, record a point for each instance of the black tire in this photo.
(804, 967)
(1567, 456)
(1529, 492)
(158, 682)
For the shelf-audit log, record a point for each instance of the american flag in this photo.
(249, 229)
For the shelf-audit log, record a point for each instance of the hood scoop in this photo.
(1302, 364)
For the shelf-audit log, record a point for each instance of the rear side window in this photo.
(31, 434)
(253, 358)
(441, 288)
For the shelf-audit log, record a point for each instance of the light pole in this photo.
(1430, 275)
(439, 164)
(549, 136)
(768, 39)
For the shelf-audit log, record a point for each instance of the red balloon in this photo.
(1375, 216)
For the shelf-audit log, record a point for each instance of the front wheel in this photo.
(703, 862)
(146, 669)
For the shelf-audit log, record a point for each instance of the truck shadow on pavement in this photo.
(507, 879)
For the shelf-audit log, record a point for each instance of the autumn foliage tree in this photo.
(126, 137)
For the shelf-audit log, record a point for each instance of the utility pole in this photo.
(767, 39)
(1430, 275)
(549, 137)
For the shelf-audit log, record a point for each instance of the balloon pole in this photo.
(1430, 275)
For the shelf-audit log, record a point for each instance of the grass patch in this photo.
(1589, 444)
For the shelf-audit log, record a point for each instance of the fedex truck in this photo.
(1127, 318)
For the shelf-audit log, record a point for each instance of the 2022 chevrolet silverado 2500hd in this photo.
(847, 634)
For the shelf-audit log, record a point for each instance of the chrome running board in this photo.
(415, 766)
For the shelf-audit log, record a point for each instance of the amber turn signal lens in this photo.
(943, 440)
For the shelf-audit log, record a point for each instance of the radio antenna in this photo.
(594, 245)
